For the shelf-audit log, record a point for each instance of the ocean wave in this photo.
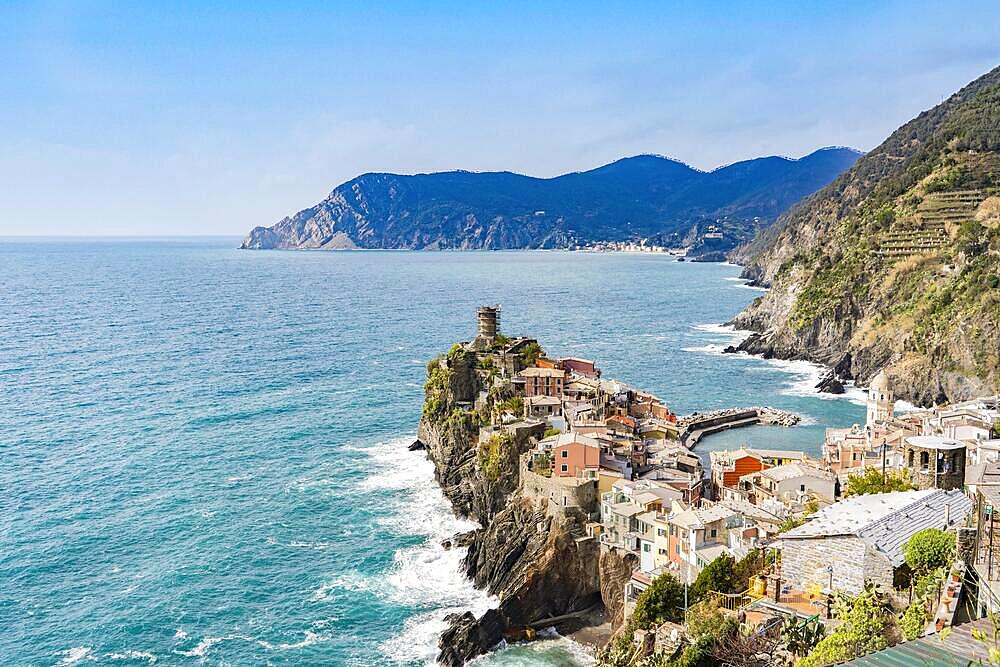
(725, 331)
(205, 645)
(550, 649)
(349, 581)
(132, 655)
(72, 656)
(426, 574)
(807, 376)
(309, 639)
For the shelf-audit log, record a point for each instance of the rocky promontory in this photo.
(528, 557)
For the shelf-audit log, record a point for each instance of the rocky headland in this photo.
(527, 556)
(896, 264)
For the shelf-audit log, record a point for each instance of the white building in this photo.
(880, 399)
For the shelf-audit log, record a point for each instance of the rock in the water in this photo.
(467, 637)
(459, 540)
(730, 349)
(830, 385)
(416, 446)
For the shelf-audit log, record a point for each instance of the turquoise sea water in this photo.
(203, 450)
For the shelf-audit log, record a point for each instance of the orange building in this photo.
(728, 467)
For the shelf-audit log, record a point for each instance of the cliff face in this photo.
(525, 555)
(895, 264)
(640, 197)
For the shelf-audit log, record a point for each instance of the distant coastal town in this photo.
(761, 552)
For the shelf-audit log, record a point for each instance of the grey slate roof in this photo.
(886, 520)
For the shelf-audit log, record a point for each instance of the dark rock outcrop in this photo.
(616, 568)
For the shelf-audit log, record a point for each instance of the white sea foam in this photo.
(180, 634)
(72, 656)
(132, 655)
(725, 332)
(347, 581)
(806, 375)
(309, 639)
(425, 575)
(203, 647)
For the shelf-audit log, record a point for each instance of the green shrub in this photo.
(928, 550)
(866, 619)
(871, 481)
(913, 622)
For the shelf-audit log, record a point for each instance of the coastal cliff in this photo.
(525, 555)
(896, 264)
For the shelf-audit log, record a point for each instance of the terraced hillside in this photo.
(896, 264)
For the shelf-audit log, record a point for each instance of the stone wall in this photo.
(804, 562)
(560, 494)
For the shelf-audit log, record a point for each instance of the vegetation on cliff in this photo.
(897, 262)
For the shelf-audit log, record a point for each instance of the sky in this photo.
(181, 118)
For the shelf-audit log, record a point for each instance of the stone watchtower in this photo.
(935, 462)
(880, 399)
(489, 324)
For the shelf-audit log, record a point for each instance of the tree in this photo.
(662, 601)
(929, 549)
(719, 575)
(871, 481)
(530, 353)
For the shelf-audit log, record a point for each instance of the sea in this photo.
(203, 450)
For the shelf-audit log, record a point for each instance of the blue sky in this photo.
(198, 118)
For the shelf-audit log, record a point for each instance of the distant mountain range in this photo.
(646, 196)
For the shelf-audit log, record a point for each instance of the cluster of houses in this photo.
(613, 456)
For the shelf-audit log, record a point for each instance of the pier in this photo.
(695, 426)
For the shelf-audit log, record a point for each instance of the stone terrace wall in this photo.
(560, 493)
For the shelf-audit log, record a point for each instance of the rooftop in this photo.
(794, 470)
(934, 442)
(542, 372)
(886, 520)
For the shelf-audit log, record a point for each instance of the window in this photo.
(564, 468)
(661, 533)
(677, 549)
(663, 552)
(802, 487)
(564, 453)
(646, 548)
(714, 532)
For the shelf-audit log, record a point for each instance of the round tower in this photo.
(880, 399)
(489, 320)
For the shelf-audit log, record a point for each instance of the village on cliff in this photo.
(779, 543)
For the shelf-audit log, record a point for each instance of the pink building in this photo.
(575, 455)
(584, 367)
